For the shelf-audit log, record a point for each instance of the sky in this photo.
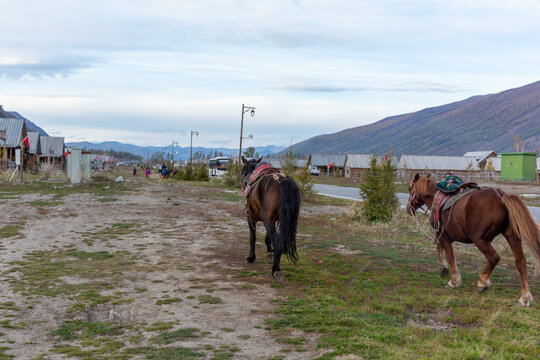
(149, 72)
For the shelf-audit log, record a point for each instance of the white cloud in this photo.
(137, 70)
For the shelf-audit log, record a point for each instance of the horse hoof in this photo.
(250, 260)
(278, 275)
(524, 302)
(483, 286)
(444, 272)
(270, 258)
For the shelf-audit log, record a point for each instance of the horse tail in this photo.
(524, 226)
(289, 208)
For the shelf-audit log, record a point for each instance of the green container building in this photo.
(518, 166)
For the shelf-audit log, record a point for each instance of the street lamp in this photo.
(173, 143)
(245, 109)
(191, 146)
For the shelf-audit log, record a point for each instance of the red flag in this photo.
(385, 158)
(25, 140)
(66, 154)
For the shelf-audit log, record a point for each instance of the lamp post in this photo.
(245, 109)
(191, 146)
(173, 143)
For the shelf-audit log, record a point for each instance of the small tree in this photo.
(288, 166)
(378, 191)
(251, 153)
(304, 182)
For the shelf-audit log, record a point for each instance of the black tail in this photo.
(289, 208)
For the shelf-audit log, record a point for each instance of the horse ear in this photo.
(428, 175)
(260, 159)
(244, 160)
(416, 177)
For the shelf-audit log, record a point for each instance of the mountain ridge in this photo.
(480, 122)
(180, 152)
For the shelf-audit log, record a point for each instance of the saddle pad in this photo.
(454, 199)
(450, 184)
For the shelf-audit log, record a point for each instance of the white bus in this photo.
(218, 166)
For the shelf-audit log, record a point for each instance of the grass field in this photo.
(156, 270)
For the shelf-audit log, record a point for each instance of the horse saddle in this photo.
(260, 171)
(451, 190)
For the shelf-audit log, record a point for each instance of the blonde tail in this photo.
(524, 227)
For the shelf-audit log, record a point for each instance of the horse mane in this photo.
(423, 185)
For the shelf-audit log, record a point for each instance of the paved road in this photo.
(352, 193)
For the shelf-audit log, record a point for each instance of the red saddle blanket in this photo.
(260, 171)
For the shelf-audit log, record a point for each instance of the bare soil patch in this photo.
(127, 278)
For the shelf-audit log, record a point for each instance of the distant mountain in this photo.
(477, 123)
(181, 153)
(30, 126)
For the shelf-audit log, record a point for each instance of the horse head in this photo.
(249, 166)
(421, 192)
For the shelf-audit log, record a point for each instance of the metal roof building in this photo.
(276, 162)
(52, 146)
(15, 129)
(362, 161)
(324, 160)
(450, 163)
(33, 140)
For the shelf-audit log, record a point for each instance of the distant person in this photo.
(147, 172)
(134, 171)
(164, 172)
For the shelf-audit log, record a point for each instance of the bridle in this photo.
(415, 202)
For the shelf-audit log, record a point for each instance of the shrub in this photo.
(233, 178)
(192, 173)
(378, 191)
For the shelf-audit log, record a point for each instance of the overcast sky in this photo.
(148, 72)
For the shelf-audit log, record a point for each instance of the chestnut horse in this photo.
(274, 201)
(477, 218)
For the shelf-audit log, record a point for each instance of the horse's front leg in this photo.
(252, 239)
(455, 280)
(443, 265)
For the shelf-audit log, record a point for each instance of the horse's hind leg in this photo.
(492, 259)
(252, 239)
(455, 279)
(521, 264)
(443, 265)
(273, 236)
(269, 250)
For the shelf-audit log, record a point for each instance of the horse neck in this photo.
(428, 198)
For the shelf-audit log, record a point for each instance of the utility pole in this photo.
(245, 109)
(191, 146)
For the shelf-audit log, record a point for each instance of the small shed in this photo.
(334, 163)
(52, 151)
(518, 166)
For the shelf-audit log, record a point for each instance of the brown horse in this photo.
(274, 200)
(477, 218)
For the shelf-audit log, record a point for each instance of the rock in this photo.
(119, 179)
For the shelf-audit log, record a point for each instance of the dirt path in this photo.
(161, 270)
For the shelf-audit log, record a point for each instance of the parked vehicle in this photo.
(314, 171)
(218, 166)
